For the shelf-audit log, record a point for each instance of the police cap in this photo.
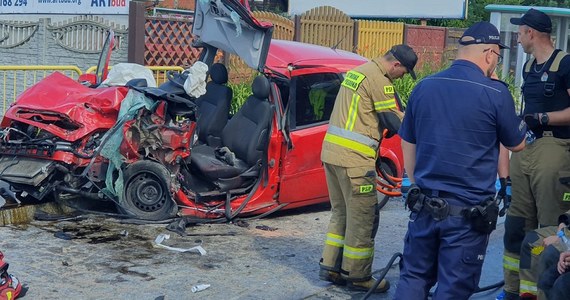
(482, 33)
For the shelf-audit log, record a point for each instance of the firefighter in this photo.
(454, 125)
(532, 250)
(365, 106)
(538, 198)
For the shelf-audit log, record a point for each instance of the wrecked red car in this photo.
(157, 153)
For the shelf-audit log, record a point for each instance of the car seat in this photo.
(244, 141)
(214, 107)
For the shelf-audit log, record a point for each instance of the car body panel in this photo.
(229, 26)
(285, 54)
(89, 109)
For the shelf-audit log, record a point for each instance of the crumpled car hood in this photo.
(58, 98)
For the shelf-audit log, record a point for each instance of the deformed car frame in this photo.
(265, 158)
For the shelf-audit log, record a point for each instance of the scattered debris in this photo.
(163, 236)
(199, 288)
(124, 233)
(241, 223)
(178, 226)
(265, 227)
(62, 235)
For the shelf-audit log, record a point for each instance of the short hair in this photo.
(389, 56)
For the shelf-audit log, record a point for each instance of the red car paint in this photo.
(295, 177)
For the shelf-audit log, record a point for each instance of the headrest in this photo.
(260, 87)
(219, 73)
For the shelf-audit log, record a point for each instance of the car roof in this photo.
(302, 55)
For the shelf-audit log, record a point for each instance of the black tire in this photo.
(146, 192)
(383, 199)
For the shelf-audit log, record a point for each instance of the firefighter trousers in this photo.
(538, 198)
(530, 257)
(349, 242)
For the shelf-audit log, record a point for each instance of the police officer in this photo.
(538, 198)
(365, 106)
(454, 124)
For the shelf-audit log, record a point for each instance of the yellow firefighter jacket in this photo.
(354, 132)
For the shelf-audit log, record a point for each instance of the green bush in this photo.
(241, 92)
(406, 84)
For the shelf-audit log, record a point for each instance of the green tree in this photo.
(476, 10)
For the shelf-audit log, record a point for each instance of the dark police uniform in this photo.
(456, 118)
(538, 198)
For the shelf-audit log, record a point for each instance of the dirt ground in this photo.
(272, 258)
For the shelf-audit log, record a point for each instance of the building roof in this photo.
(551, 11)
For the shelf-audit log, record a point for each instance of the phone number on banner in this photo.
(13, 3)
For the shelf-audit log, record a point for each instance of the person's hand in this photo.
(503, 191)
(532, 120)
(504, 194)
(563, 262)
(549, 240)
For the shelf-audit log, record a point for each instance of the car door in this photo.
(229, 26)
(311, 100)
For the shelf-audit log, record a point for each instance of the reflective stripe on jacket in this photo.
(353, 136)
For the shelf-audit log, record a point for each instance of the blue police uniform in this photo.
(456, 119)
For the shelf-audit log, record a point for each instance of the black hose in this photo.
(390, 263)
(490, 287)
(78, 192)
(382, 275)
(483, 289)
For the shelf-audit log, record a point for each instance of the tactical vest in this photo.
(545, 90)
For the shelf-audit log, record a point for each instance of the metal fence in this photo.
(16, 79)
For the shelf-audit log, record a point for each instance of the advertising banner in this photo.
(420, 9)
(76, 7)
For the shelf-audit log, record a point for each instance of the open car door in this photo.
(103, 64)
(229, 26)
(311, 99)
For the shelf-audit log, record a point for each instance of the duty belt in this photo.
(539, 133)
(438, 208)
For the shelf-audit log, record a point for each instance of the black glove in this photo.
(502, 194)
(390, 121)
(532, 120)
(503, 191)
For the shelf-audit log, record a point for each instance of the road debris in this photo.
(62, 235)
(163, 236)
(265, 227)
(199, 288)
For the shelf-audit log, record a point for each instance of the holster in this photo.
(483, 217)
(415, 199)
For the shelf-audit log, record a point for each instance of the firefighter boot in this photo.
(366, 285)
(331, 276)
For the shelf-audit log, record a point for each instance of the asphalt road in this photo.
(272, 258)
